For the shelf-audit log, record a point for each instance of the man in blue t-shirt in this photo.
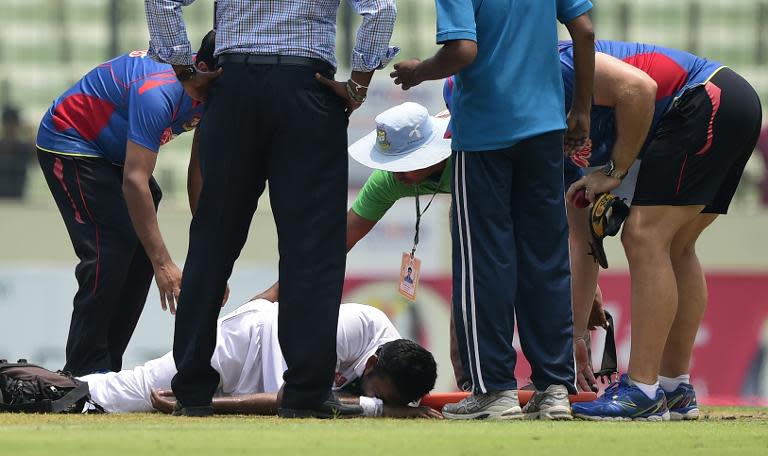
(97, 147)
(509, 229)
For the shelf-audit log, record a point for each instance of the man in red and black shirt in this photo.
(694, 124)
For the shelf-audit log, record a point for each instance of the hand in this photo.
(594, 184)
(597, 314)
(168, 278)
(404, 411)
(585, 378)
(577, 135)
(405, 74)
(163, 400)
(340, 89)
(197, 86)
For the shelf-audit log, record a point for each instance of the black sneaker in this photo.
(331, 408)
(199, 411)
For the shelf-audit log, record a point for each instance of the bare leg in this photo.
(647, 239)
(691, 300)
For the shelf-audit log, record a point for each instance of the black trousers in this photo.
(114, 273)
(275, 124)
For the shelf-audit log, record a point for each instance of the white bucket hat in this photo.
(406, 138)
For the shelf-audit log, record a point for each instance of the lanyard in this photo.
(419, 213)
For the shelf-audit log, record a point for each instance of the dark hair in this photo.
(207, 47)
(410, 367)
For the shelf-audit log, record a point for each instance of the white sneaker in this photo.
(499, 405)
(550, 404)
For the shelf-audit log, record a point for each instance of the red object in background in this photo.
(438, 400)
(728, 343)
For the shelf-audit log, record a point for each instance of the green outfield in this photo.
(723, 431)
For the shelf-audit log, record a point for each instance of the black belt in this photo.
(256, 59)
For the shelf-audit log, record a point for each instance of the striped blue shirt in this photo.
(305, 28)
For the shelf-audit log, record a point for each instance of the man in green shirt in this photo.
(399, 172)
(384, 188)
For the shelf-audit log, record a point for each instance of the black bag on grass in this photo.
(27, 388)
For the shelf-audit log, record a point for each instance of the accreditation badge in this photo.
(410, 268)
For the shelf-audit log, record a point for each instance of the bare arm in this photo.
(453, 57)
(394, 411)
(583, 37)
(266, 404)
(357, 228)
(389, 410)
(632, 94)
(251, 404)
(583, 267)
(584, 273)
(139, 165)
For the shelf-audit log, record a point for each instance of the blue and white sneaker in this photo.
(623, 401)
(682, 403)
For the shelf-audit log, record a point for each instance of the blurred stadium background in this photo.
(46, 45)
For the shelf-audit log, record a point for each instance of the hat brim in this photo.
(434, 151)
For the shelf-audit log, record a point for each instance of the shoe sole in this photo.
(690, 415)
(554, 413)
(651, 418)
(515, 413)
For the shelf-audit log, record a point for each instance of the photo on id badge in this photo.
(409, 276)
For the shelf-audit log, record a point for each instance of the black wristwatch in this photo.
(610, 170)
(186, 73)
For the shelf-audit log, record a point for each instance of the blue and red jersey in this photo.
(130, 97)
(673, 70)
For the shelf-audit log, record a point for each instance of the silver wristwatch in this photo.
(610, 170)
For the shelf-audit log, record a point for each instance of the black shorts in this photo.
(701, 146)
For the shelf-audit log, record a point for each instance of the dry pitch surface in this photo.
(722, 431)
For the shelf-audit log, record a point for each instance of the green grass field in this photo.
(722, 431)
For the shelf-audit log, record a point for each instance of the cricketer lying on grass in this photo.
(373, 362)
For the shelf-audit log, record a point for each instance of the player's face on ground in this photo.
(418, 176)
(378, 386)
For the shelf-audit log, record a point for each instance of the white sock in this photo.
(670, 384)
(649, 390)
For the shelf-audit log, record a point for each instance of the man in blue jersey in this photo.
(509, 229)
(97, 147)
(694, 123)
